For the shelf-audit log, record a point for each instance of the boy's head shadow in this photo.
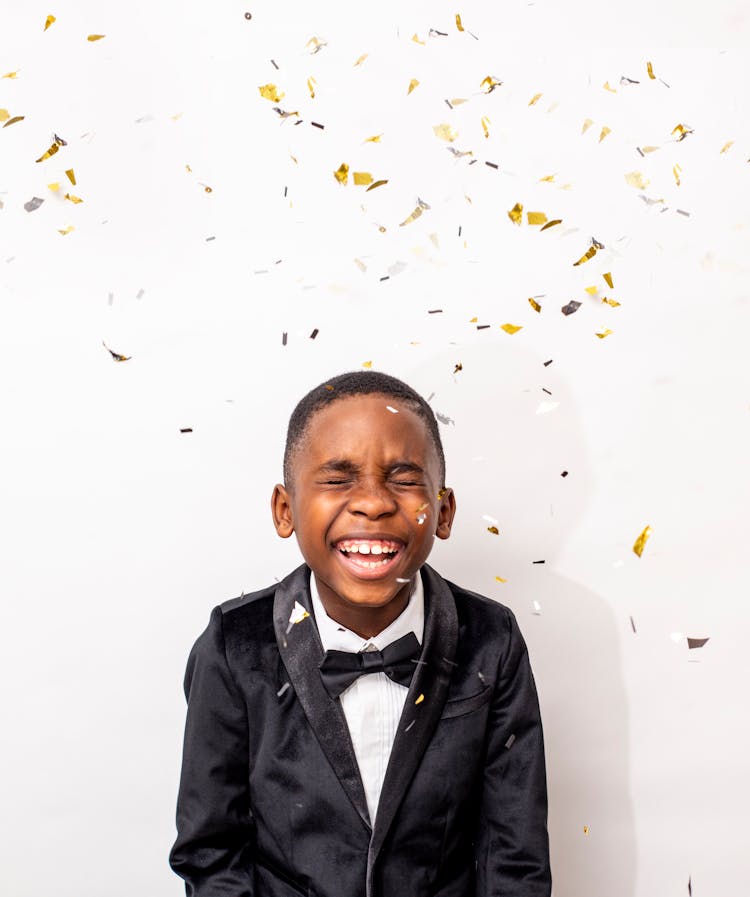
(506, 454)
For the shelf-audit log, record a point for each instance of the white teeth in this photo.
(364, 549)
(376, 549)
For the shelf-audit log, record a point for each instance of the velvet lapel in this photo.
(302, 653)
(418, 720)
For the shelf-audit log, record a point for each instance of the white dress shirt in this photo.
(373, 703)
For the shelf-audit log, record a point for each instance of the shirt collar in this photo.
(336, 637)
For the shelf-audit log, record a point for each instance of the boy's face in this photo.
(364, 500)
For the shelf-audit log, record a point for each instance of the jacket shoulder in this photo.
(476, 609)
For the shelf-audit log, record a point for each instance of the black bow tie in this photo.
(339, 669)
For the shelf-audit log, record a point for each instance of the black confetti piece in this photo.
(283, 338)
(547, 363)
(314, 333)
(33, 204)
(571, 308)
(186, 429)
(696, 642)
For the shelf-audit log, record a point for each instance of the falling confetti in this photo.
(485, 126)
(500, 579)
(494, 530)
(444, 419)
(367, 364)
(682, 131)
(632, 625)
(342, 173)
(71, 176)
(375, 186)
(491, 83)
(361, 178)
(585, 830)
(11, 75)
(586, 125)
(116, 355)
(546, 407)
(361, 59)
(66, 230)
(571, 308)
(676, 169)
(534, 304)
(534, 100)
(604, 132)
(33, 204)
(650, 70)
(640, 542)
(603, 332)
(316, 45)
(589, 254)
(635, 179)
(50, 21)
(726, 147)
(374, 139)
(311, 82)
(14, 120)
(270, 92)
(421, 206)
(551, 223)
(537, 608)
(534, 218)
(509, 742)
(511, 328)
(696, 642)
(94, 37)
(412, 85)
(608, 279)
(516, 213)
(74, 199)
(53, 149)
(445, 132)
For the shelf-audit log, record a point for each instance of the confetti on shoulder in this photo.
(298, 614)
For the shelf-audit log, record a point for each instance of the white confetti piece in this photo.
(545, 407)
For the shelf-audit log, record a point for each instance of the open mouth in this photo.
(369, 555)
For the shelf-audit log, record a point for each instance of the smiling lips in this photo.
(369, 554)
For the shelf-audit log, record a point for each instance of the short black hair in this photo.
(357, 383)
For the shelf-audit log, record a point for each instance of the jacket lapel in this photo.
(424, 704)
(302, 652)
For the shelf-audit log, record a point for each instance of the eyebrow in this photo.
(344, 465)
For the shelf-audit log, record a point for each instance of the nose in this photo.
(371, 498)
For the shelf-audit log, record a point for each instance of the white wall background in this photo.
(119, 533)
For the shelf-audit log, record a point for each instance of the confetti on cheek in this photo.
(413, 84)
(50, 21)
(270, 92)
(95, 37)
(516, 213)
(511, 328)
(640, 542)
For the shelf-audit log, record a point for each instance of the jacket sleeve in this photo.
(512, 842)
(213, 850)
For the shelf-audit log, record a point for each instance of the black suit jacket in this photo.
(271, 803)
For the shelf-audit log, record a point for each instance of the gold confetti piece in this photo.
(361, 265)
(72, 198)
(589, 254)
(374, 139)
(270, 92)
(552, 223)
(50, 20)
(116, 355)
(316, 45)
(14, 120)
(66, 230)
(311, 82)
(54, 187)
(676, 172)
(417, 40)
(71, 176)
(361, 59)
(613, 302)
(603, 332)
(608, 279)
(511, 328)
(640, 542)
(607, 87)
(441, 493)
(585, 830)
(342, 173)
(635, 179)
(473, 320)
(11, 74)
(485, 125)
(367, 364)
(458, 367)
(534, 99)
(683, 131)
(376, 185)
(421, 206)
(649, 149)
(536, 218)
(4, 115)
(726, 146)
(494, 530)
(93, 37)
(457, 101)
(534, 304)
(586, 125)
(298, 614)
(412, 84)
(592, 291)
(52, 150)
(500, 579)
(650, 70)
(491, 83)
(445, 132)
(605, 130)
(458, 22)
(419, 699)
(361, 178)
(516, 213)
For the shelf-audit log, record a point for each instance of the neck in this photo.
(365, 621)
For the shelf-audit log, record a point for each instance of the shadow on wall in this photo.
(510, 464)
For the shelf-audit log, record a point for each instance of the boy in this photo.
(363, 728)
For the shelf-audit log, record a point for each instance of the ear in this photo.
(281, 510)
(446, 513)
